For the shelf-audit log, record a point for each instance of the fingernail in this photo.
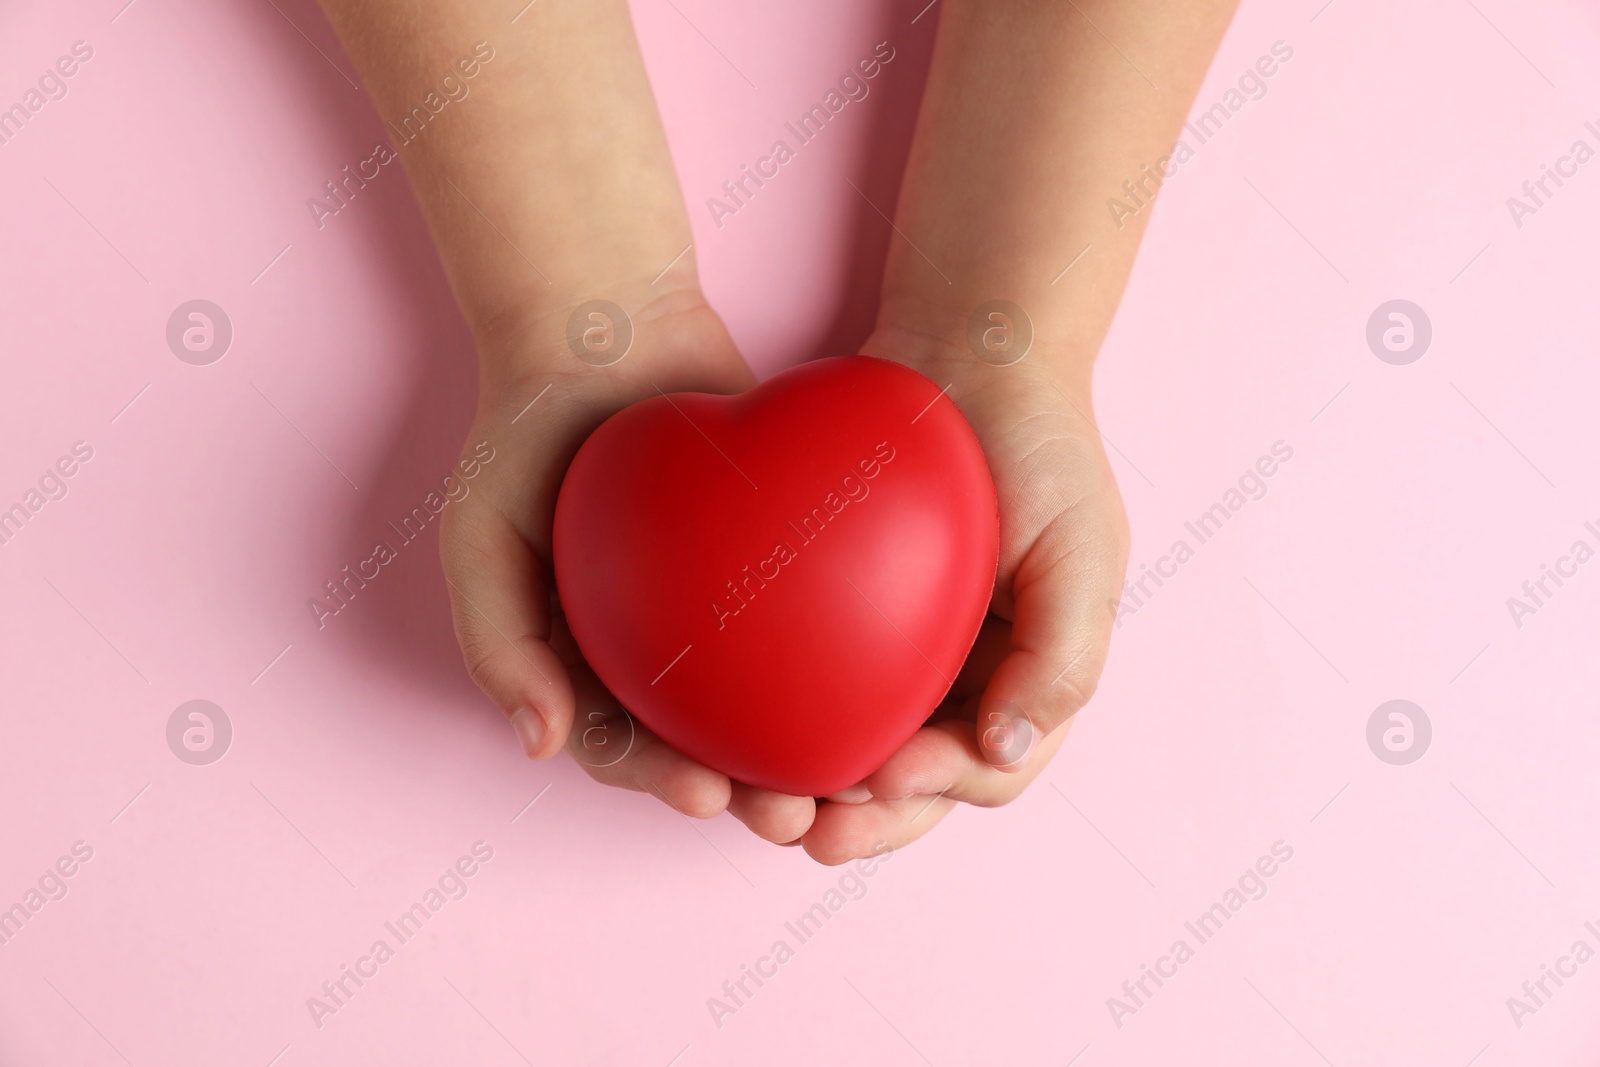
(529, 729)
(852, 794)
(1006, 736)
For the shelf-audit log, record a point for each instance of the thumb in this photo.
(500, 602)
(1061, 628)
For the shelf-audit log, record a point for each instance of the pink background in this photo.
(1232, 716)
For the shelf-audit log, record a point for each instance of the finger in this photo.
(945, 760)
(958, 705)
(500, 603)
(851, 794)
(1065, 594)
(617, 750)
(776, 817)
(843, 832)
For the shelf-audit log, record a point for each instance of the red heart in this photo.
(781, 584)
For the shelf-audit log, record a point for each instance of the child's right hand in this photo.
(495, 544)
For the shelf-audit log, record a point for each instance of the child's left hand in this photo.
(1063, 552)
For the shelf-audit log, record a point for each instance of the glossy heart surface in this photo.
(781, 584)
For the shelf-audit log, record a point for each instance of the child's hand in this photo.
(1063, 549)
(555, 181)
(548, 186)
(1029, 123)
(495, 547)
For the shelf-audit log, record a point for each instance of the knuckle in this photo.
(479, 657)
(1071, 692)
(1073, 695)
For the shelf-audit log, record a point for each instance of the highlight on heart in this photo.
(853, 488)
(818, 659)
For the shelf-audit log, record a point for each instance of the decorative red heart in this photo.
(781, 584)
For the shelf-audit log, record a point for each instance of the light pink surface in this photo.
(1232, 716)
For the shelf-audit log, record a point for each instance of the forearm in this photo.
(545, 178)
(1031, 122)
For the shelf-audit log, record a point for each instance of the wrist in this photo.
(981, 343)
(515, 320)
(602, 350)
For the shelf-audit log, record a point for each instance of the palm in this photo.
(496, 552)
(1063, 544)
